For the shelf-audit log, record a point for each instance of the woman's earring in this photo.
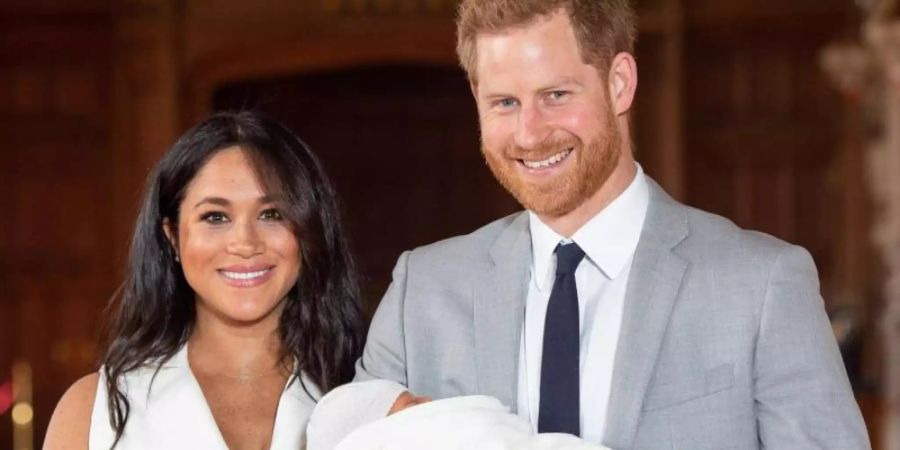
(177, 258)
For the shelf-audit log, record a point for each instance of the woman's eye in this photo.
(214, 218)
(271, 214)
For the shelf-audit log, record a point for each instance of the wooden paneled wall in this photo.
(763, 131)
(58, 266)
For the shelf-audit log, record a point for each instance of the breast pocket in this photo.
(690, 387)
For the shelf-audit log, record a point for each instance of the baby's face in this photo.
(407, 400)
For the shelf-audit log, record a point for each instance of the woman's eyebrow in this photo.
(272, 198)
(219, 201)
(213, 200)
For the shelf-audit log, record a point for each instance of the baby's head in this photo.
(349, 407)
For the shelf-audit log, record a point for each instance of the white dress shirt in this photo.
(608, 240)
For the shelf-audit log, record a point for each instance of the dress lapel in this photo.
(294, 408)
(655, 280)
(499, 308)
(178, 409)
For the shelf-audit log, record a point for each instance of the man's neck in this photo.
(566, 225)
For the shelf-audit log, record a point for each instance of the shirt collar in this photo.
(608, 239)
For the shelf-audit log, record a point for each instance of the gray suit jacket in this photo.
(724, 344)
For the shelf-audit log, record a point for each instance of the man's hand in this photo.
(407, 400)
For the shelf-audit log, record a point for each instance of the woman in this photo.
(240, 307)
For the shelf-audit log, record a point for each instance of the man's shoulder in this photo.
(714, 235)
(704, 235)
(734, 266)
(474, 246)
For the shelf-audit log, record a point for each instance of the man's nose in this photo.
(532, 128)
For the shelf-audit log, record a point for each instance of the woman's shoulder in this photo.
(70, 424)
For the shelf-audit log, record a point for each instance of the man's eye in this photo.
(214, 218)
(271, 214)
(558, 95)
(507, 103)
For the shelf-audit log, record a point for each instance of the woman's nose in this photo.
(245, 240)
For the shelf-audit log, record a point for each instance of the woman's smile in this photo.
(247, 276)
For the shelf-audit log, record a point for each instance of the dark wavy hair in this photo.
(153, 313)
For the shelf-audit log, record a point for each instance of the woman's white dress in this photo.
(171, 413)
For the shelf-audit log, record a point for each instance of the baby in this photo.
(381, 415)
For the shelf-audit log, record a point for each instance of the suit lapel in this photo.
(653, 286)
(499, 312)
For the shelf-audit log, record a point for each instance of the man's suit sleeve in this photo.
(803, 398)
(384, 355)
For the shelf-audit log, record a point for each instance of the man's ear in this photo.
(171, 235)
(623, 79)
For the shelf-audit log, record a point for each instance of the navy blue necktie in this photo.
(560, 390)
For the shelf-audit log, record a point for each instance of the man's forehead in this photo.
(551, 30)
(557, 23)
(547, 47)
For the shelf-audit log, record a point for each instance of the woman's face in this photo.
(237, 252)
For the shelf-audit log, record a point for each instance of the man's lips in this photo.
(551, 161)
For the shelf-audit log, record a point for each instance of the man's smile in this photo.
(552, 161)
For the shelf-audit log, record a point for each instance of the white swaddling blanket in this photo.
(352, 417)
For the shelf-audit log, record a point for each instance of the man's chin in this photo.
(548, 205)
(551, 198)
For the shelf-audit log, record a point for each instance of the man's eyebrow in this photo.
(493, 95)
(559, 82)
(553, 85)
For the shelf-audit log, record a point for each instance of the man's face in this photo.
(547, 128)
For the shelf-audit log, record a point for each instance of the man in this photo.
(607, 309)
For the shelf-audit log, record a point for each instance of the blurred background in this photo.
(781, 115)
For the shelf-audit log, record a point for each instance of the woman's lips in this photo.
(246, 276)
